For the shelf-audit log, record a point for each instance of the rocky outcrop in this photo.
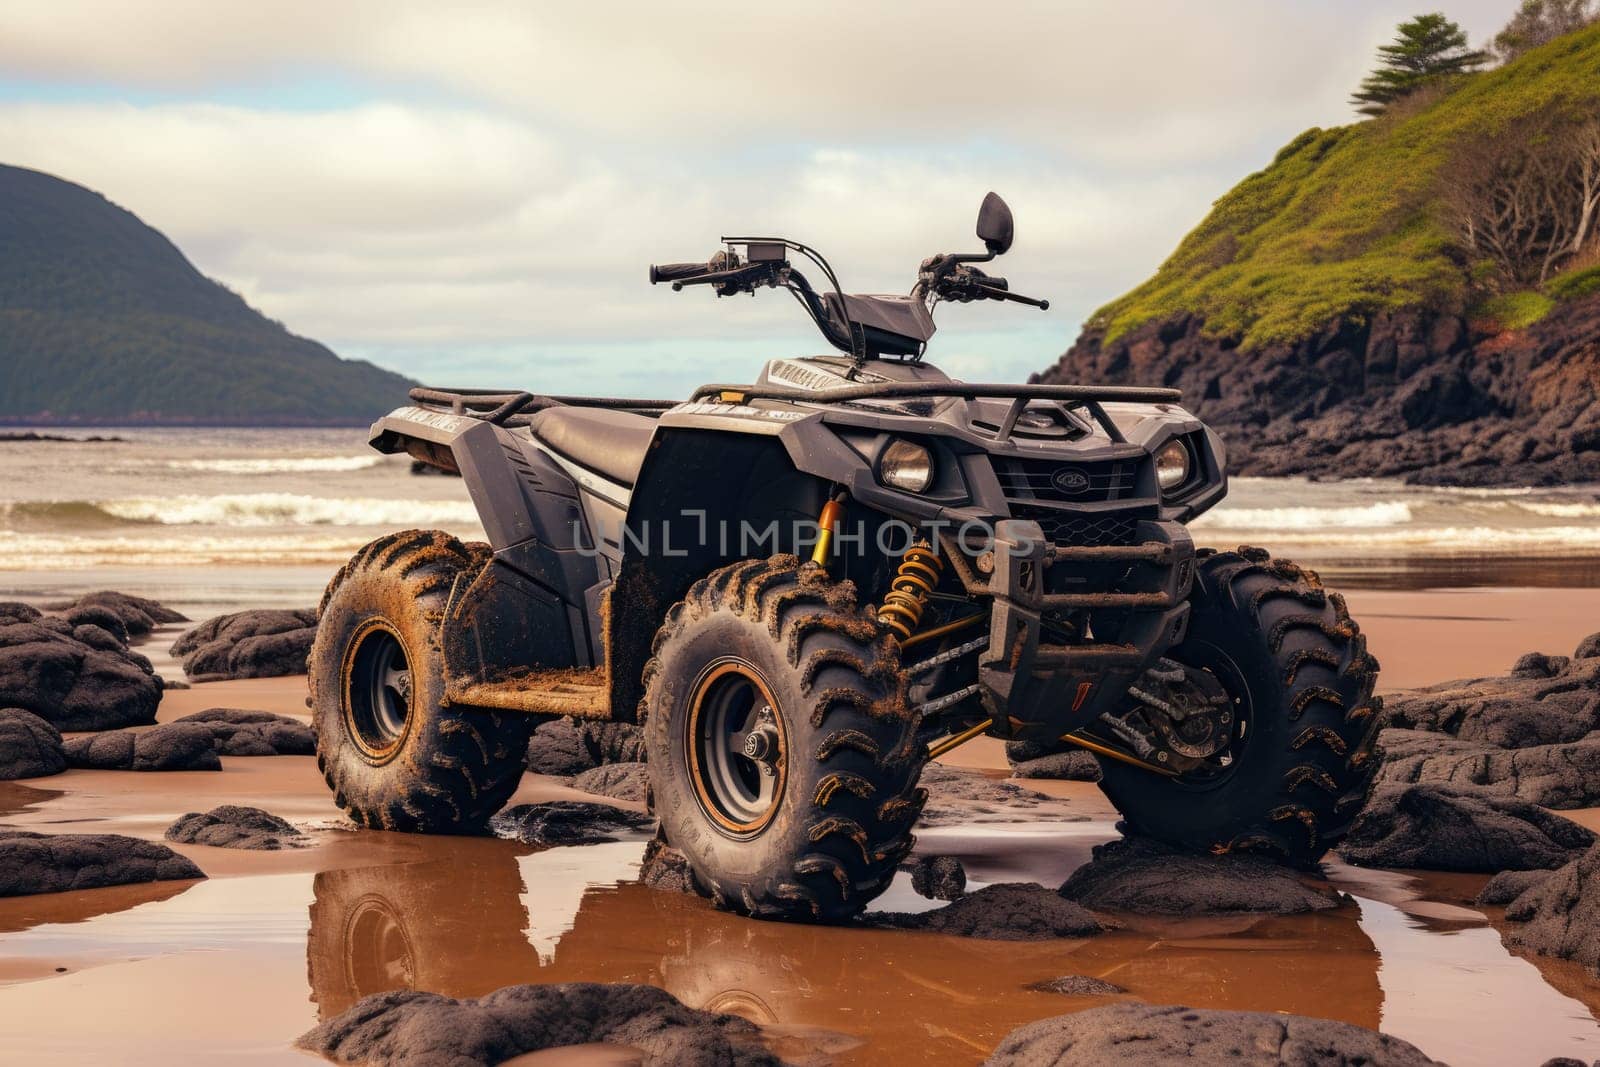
(263, 643)
(44, 863)
(957, 796)
(1544, 700)
(1440, 828)
(411, 1027)
(29, 746)
(1077, 985)
(1425, 396)
(1033, 759)
(666, 869)
(123, 615)
(232, 826)
(1552, 776)
(565, 747)
(76, 678)
(1507, 886)
(172, 746)
(936, 877)
(1009, 911)
(244, 732)
(619, 781)
(569, 822)
(1559, 914)
(1150, 1033)
(1141, 876)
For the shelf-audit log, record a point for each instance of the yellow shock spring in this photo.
(907, 597)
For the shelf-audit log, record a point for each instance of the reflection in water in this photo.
(460, 925)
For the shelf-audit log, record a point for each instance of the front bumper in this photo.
(1035, 689)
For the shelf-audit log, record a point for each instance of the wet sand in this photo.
(239, 965)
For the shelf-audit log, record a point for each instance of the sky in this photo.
(471, 193)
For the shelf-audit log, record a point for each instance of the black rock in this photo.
(936, 877)
(619, 781)
(411, 1027)
(957, 796)
(173, 746)
(232, 826)
(136, 615)
(1552, 776)
(1588, 648)
(1077, 985)
(241, 732)
(29, 746)
(99, 622)
(1009, 911)
(1445, 828)
(666, 868)
(1129, 1032)
(43, 863)
(564, 747)
(569, 822)
(1142, 876)
(1545, 700)
(1507, 886)
(1032, 759)
(262, 643)
(1559, 915)
(45, 669)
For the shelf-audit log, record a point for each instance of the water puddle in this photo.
(240, 966)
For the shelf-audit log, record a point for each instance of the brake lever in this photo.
(994, 293)
(738, 276)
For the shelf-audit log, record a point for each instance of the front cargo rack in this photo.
(1088, 397)
(515, 409)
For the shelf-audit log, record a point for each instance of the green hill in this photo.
(102, 319)
(1347, 222)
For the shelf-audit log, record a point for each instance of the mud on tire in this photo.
(840, 817)
(1306, 761)
(393, 756)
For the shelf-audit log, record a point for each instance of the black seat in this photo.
(610, 443)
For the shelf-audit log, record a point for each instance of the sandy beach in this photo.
(239, 965)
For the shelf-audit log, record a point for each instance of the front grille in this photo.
(1084, 531)
(1068, 483)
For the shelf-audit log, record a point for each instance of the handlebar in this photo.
(672, 272)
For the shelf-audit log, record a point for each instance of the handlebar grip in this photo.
(672, 272)
(992, 281)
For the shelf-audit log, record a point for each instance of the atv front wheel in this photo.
(1297, 671)
(783, 757)
(393, 756)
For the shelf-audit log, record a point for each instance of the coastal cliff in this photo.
(1413, 296)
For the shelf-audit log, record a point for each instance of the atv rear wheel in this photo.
(1297, 670)
(393, 756)
(783, 758)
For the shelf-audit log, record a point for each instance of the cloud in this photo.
(482, 193)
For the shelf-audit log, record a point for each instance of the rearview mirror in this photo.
(994, 225)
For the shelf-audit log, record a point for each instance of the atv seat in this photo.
(610, 443)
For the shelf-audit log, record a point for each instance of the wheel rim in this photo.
(377, 690)
(738, 752)
(1218, 768)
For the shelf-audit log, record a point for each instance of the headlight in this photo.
(904, 465)
(1172, 466)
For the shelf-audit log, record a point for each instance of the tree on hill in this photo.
(1539, 22)
(1427, 51)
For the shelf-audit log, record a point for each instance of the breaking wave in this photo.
(1384, 513)
(241, 510)
(279, 465)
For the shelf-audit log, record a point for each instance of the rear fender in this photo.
(526, 609)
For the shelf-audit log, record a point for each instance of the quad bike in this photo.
(806, 587)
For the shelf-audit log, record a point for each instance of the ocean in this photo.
(213, 519)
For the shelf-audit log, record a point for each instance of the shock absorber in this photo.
(907, 597)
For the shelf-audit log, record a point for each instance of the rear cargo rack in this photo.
(1088, 397)
(514, 409)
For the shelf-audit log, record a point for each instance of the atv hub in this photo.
(738, 752)
(377, 691)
